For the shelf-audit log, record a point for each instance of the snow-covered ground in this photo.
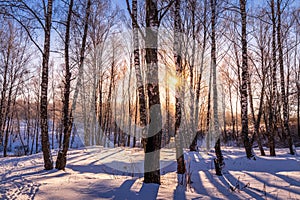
(117, 173)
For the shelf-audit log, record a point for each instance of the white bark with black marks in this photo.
(153, 145)
(48, 162)
(178, 90)
(244, 82)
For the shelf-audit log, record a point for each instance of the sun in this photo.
(172, 81)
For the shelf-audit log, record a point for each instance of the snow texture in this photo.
(117, 173)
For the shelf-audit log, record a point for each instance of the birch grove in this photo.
(185, 75)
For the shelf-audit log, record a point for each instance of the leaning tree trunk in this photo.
(238, 89)
(152, 153)
(135, 119)
(224, 116)
(259, 116)
(130, 111)
(245, 79)
(208, 112)
(198, 84)
(93, 107)
(231, 109)
(178, 92)
(6, 115)
(48, 163)
(3, 94)
(192, 129)
(256, 122)
(68, 115)
(284, 96)
(138, 73)
(168, 113)
(61, 158)
(100, 133)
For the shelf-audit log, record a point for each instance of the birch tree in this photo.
(48, 162)
(138, 73)
(245, 79)
(284, 95)
(219, 160)
(198, 82)
(62, 154)
(61, 160)
(178, 93)
(153, 145)
(272, 106)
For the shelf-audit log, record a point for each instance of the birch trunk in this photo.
(138, 74)
(61, 159)
(6, 115)
(272, 107)
(245, 79)
(68, 115)
(284, 97)
(231, 109)
(48, 162)
(3, 95)
(130, 111)
(219, 162)
(152, 153)
(178, 93)
(192, 130)
(208, 120)
(198, 86)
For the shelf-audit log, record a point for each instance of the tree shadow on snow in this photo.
(133, 169)
(270, 184)
(108, 189)
(38, 175)
(270, 166)
(179, 192)
(218, 184)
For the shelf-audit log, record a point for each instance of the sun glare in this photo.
(172, 81)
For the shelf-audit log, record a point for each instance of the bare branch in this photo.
(134, 20)
(28, 33)
(34, 14)
(167, 7)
